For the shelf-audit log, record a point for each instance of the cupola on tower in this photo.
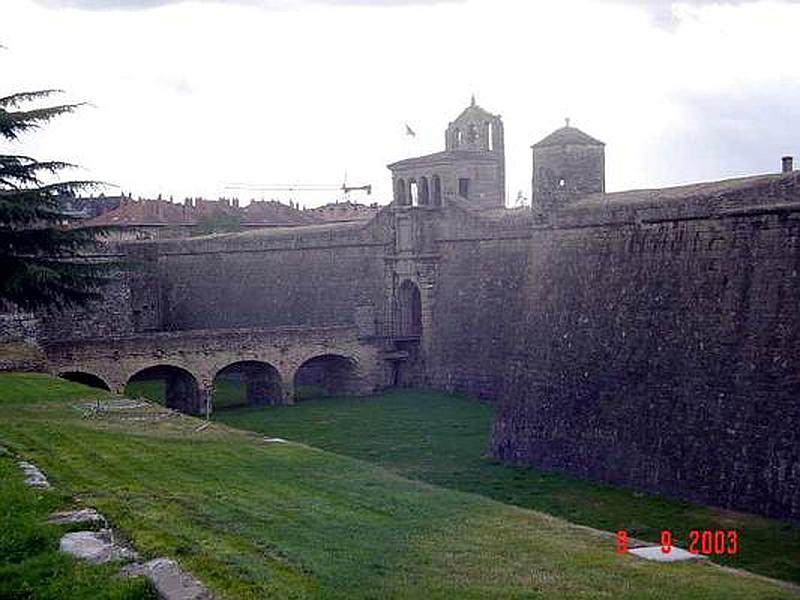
(470, 169)
(567, 164)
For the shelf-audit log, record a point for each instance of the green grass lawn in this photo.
(258, 520)
(228, 393)
(441, 439)
(31, 566)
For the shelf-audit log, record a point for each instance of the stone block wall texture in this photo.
(320, 276)
(269, 288)
(111, 316)
(479, 301)
(19, 345)
(18, 326)
(581, 168)
(664, 356)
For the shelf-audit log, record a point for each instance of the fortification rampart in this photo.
(659, 348)
(646, 338)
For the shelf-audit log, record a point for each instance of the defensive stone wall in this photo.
(314, 276)
(478, 302)
(280, 280)
(113, 315)
(660, 346)
(646, 338)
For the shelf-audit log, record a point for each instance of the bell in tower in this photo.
(475, 130)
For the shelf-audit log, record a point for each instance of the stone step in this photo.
(171, 582)
(33, 476)
(655, 553)
(71, 517)
(97, 547)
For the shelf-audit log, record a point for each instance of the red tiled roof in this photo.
(132, 213)
(273, 213)
(161, 213)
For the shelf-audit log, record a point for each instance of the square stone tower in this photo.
(567, 164)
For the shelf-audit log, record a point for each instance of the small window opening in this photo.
(490, 136)
(401, 192)
(562, 183)
(424, 191)
(437, 190)
(413, 194)
(463, 187)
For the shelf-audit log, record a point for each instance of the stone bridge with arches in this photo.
(271, 363)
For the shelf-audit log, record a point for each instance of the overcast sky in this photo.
(191, 97)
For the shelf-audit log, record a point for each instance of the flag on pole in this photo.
(410, 131)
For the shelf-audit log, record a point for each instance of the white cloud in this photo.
(192, 95)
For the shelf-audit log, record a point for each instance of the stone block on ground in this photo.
(171, 582)
(97, 547)
(33, 476)
(69, 517)
(655, 553)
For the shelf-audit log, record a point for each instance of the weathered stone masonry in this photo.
(660, 348)
(647, 338)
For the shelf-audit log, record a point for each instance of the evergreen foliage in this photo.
(218, 222)
(43, 260)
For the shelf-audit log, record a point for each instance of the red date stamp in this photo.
(701, 541)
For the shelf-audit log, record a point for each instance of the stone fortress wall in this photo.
(660, 348)
(645, 338)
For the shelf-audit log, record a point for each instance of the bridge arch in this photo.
(85, 378)
(253, 382)
(179, 388)
(327, 374)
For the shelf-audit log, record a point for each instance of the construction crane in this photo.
(301, 187)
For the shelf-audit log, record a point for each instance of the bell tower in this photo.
(470, 171)
(475, 130)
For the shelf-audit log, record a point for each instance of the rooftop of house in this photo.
(270, 213)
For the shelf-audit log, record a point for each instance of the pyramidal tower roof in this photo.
(567, 136)
(473, 111)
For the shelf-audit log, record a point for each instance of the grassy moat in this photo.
(355, 516)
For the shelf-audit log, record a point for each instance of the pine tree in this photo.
(44, 262)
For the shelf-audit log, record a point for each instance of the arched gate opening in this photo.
(409, 310)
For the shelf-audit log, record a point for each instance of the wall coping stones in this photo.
(216, 334)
